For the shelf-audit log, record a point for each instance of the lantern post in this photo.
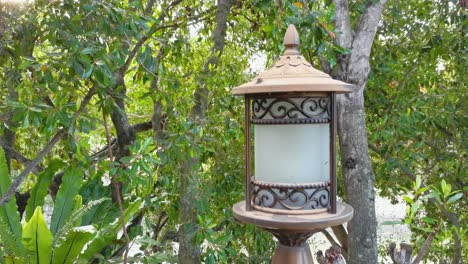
(293, 192)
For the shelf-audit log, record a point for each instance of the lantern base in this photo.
(292, 231)
(292, 247)
(292, 255)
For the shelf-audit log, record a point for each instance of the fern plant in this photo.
(34, 242)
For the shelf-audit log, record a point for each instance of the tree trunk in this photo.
(355, 161)
(359, 179)
(189, 251)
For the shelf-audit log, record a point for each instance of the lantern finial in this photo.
(291, 40)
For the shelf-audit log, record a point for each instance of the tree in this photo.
(189, 251)
(167, 164)
(417, 120)
(93, 60)
(354, 68)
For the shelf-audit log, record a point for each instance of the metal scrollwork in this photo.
(291, 239)
(291, 197)
(290, 110)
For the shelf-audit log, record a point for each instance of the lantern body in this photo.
(291, 107)
(292, 153)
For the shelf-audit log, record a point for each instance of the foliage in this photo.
(433, 224)
(142, 62)
(417, 117)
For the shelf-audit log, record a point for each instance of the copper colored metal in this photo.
(333, 189)
(292, 73)
(292, 255)
(292, 77)
(293, 223)
(290, 121)
(291, 108)
(292, 247)
(291, 185)
(291, 198)
(248, 172)
(292, 231)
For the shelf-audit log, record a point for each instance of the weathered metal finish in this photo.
(292, 247)
(333, 184)
(292, 255)
(248, 172)
(291, 108)
(290, 78)
(291, 198)
(294, 223)
(291, 239)
(292, 231)
(290, 121)
(292, 73)
(291, 185)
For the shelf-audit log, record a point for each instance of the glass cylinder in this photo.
(292, 153)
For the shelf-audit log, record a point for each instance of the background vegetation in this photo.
(119, 114)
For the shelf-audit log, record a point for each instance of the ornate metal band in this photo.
(291, 197)
(291, 110)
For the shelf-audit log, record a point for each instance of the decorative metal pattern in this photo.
(291, 239)
(291, 196)
(290, 110)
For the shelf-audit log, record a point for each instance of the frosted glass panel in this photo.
(292, 153)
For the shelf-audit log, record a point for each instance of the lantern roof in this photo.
(292, 73)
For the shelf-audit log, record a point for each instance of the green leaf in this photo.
(392, 223)
(37, 238)
(88, 72)
(40, 189)
(418, 182)
(408, 199)
(87, 50)
(428, 220)
(421, 190)
(108, 233)
(8, 211)
(414, 209)
(70, 248)
(25, 64)
(78, 203)
(75, 218)
(63, 207)
(446, 188)
(9, 244)
(454, 198)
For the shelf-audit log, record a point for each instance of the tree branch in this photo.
(344, 36)
(149, 7)
(426, 246)
(141, 127)
(386, 156)
(32, 164)
(450, 216)
(117, 191)
(342, 236)
(363, 40)
(151, 31)
(56, 138)
(330, 238)
(367, 26)
(13, 152)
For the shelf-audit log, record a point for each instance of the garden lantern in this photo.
(292, 192)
